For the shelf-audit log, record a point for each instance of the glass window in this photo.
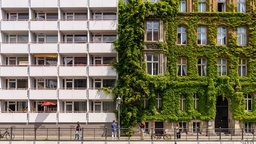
(108, 106)
(22, 38)
(182, 35)
(23, 16)
(51, 38)
(109, 38)
(152, 28)
(152, 64)
(51, 16)
(201, 5)
(12, 39)
(242, 67)
(80, 106)
(80, 16)
(109, 83)
(11, 83)
(108, 60)
(241, 5)
(183, 5)
(80, 83)
(51, 83)
(222, 66)
(41, 16)
(97, 83)
(196, 127)
(201, 35)
(51, 60)
(221, 5)
(182, 66)
(158, 102)
(97, 38)
(68, 83)
(80, 38)
(248, 99)
(80, 60)
(196, 101)
(222, 36)
(241, 36)
(183, 103)
(201, 64)
(109, 15)
(248, 127)
(40, 38)
(12, 16)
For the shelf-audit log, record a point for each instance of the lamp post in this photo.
(118, 102)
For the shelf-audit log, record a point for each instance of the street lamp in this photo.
(118, 102)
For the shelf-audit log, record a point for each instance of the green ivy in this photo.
(134, 85)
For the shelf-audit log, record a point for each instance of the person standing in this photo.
(142, 130)
(114, 129)
(78, 131)
(178, 134)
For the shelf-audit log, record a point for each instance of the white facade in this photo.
(57, 51)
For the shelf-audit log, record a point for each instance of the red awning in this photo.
(48, 103)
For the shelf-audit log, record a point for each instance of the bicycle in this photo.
(7, 134)
(158, 136)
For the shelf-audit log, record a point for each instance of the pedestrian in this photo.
(142, 130)
(114, 129)
(78, 131)
(178, 135)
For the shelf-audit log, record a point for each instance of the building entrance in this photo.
(221, 118)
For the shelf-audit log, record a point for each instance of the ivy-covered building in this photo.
(187, 62)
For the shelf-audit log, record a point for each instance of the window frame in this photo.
(182, 35)
(181, 6)
(183, 103)
(248, 103)
(222, 36)
(242, 66)
(154, 64)
(202, 33)
(202, 66)
(241, 6)
(202, 6)
(223, 4)
(151, 30)
(182, 65)
(222, 65)
(241, 36)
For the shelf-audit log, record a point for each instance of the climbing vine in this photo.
(137, 88)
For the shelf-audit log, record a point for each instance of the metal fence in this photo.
(68, 134)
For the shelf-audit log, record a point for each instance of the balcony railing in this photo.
(68, 134)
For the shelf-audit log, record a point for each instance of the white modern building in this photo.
(54, 56)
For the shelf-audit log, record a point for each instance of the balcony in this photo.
(14, 71)
(73, 71)
(15, 4)
(101, 117)
(73, 94)
(43, 71)
(72, 117)
(73, 48)
(15, 25)
(74, 25)
(100, 95)
(13, 94)
(43, 117)
(101, 71)
(103, 24)
(44, 48)
(13, 118)
(44, 25)
(44, 3)
(14, 48)
(103, 3)
(101, 48)
(70, 3)
(42, 94)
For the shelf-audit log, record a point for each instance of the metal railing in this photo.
(68, 134)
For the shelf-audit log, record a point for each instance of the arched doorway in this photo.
(221, 118)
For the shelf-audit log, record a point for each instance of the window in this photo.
(222, 66)
(71, 61)
(103, 38)
(75, 38)
(75, 83)
(158, 102)
(45, 83)
(248, 99)
(182, 35)
(183, 126)
(201, 35)
(201, 5)
(152, 64)
(183, 103)
(196, 127)
(74, 107)
(109, 83)
(75, 16)
(98, 83)
(17, 61)
(102, 60)
(152, 29)
(241, 5)
(17, 83)
(108, 106)
(248, 127)
(46, 60)
(242, 67)
(183, 6)
(201, 65)
(221, 5)
(47, 38)
(222, 36)
(145, 103)
(196, 101)
(153, 1)
(241, 36)
(17, 38)
(96, 106)
(16, 106)
(182, 66)
(46, 16)
(104, 15)
(18, 16)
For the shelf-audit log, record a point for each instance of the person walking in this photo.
(78, 131)
(114, 129)
(142, 130)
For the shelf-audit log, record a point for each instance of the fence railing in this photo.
(69, 134)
